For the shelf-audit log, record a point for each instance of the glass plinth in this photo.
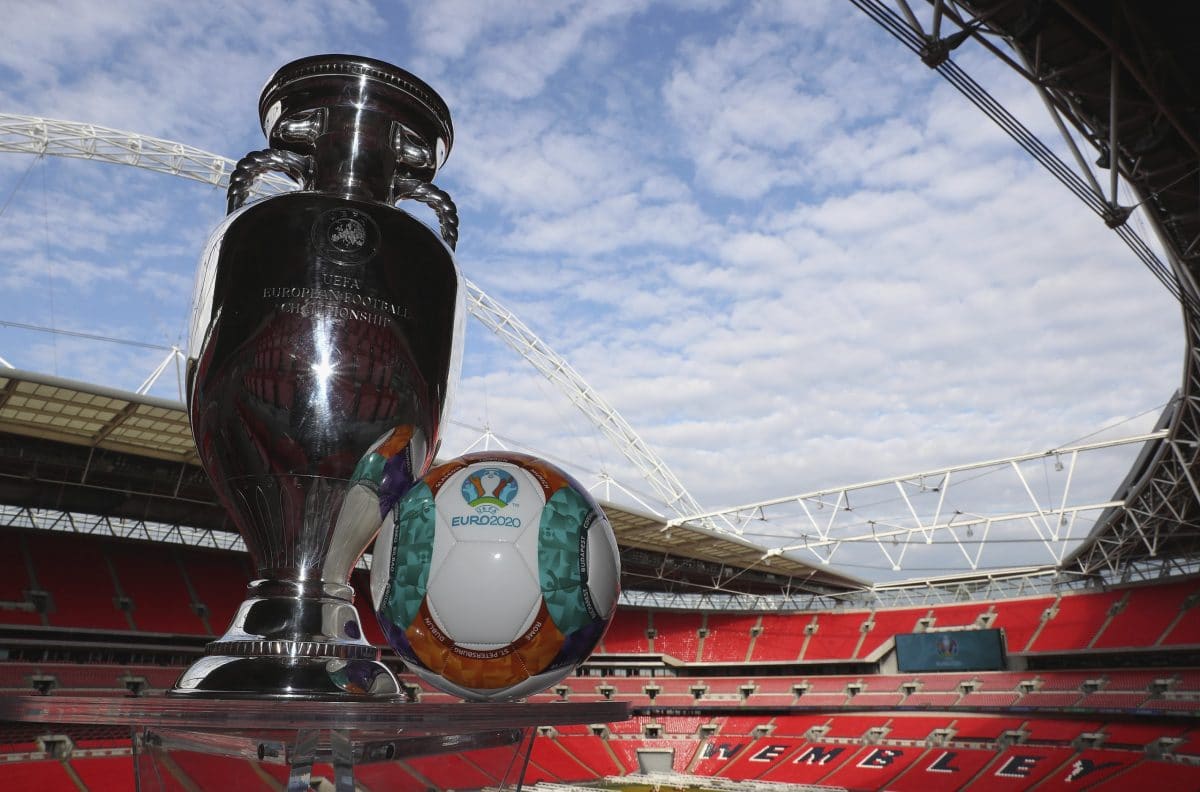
(293, 740)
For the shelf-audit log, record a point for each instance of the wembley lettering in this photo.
(1018, 766)
(818, 755)
(943, 763)
(879, 758)
(768, 753)
(1085, 767)
(721, 750)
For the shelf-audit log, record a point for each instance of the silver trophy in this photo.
(327, 336)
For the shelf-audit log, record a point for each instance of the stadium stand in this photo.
(1186, 629)
(16, 605)
(883, 626)
(1020, 619)
(781, 639)
(851, 724)
(835, 636)
(1075, 621)
(106, 774)
(1145, 616)
(219, 580)
(728, 638)
(75, 572)
(627, 633)
(155, 583)
(677, 634)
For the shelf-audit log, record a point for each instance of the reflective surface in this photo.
(328, 327)
(258, 717)
(346, 734)
(318, 393)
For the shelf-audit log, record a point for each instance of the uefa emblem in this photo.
(489, 487)
(347, 236)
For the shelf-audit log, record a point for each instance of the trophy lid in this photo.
(329, 82)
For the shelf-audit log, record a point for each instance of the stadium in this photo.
(748, 664)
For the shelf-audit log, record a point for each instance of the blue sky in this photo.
(786, 251)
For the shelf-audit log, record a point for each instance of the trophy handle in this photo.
(256, 163)
(439, 200)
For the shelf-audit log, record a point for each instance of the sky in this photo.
(785, 251)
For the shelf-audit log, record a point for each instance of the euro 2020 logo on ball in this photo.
(489, 491)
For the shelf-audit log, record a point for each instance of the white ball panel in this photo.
(443, 542)
(527, 542)
(483, 594)
(604, 566)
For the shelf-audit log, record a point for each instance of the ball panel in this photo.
(541, 642)
(392, 465)
(562, 558)
(536, 683)
(437, 477)
(603, 567)
(411, 552)
(507, 609)
(551, 478)
(483, 594)
(428, 643)
(381, 561)
(484, 670)
(578, 645)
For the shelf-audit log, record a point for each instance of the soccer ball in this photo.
(495, 576)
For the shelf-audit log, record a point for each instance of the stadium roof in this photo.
(1124, 78)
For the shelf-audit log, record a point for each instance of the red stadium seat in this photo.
(886, 624)
(46, 775)
(15, 606)
(151, 577)
(1151, 774)
(1146, 616)
(627, 633)
(72, 568)
(220, 772)
(1020, 619)
(1019, 768)
(1077, 622)
(942, 770)
(219, 579)
(729, 638)
(592, 752)
(837, 636)
(874, 766)
(112, 774)
(782, 637)
(677, 634)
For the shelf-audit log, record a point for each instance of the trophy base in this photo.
(291, 640)
(293, 678)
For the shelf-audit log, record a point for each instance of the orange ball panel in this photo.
(540, 643)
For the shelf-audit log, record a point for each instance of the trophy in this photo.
(326, 338)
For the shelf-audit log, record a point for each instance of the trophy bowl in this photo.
(326, 339)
